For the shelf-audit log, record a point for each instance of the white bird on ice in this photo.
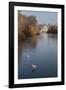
(34, 66)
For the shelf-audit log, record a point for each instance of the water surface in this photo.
(41, 51)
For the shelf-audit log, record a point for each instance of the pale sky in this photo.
(43, 17)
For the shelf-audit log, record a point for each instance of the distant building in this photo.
(48, 28)
(45, 28)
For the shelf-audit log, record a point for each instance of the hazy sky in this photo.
(42, 16)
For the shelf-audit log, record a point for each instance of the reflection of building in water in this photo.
(51, 38)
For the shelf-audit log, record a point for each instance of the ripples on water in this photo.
(40, 51)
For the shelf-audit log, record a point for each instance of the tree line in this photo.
(27, 26)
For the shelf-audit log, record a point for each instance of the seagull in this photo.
(34, 66)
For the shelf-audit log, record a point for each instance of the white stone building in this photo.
(45, 28)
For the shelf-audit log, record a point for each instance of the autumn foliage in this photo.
(27, 26)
